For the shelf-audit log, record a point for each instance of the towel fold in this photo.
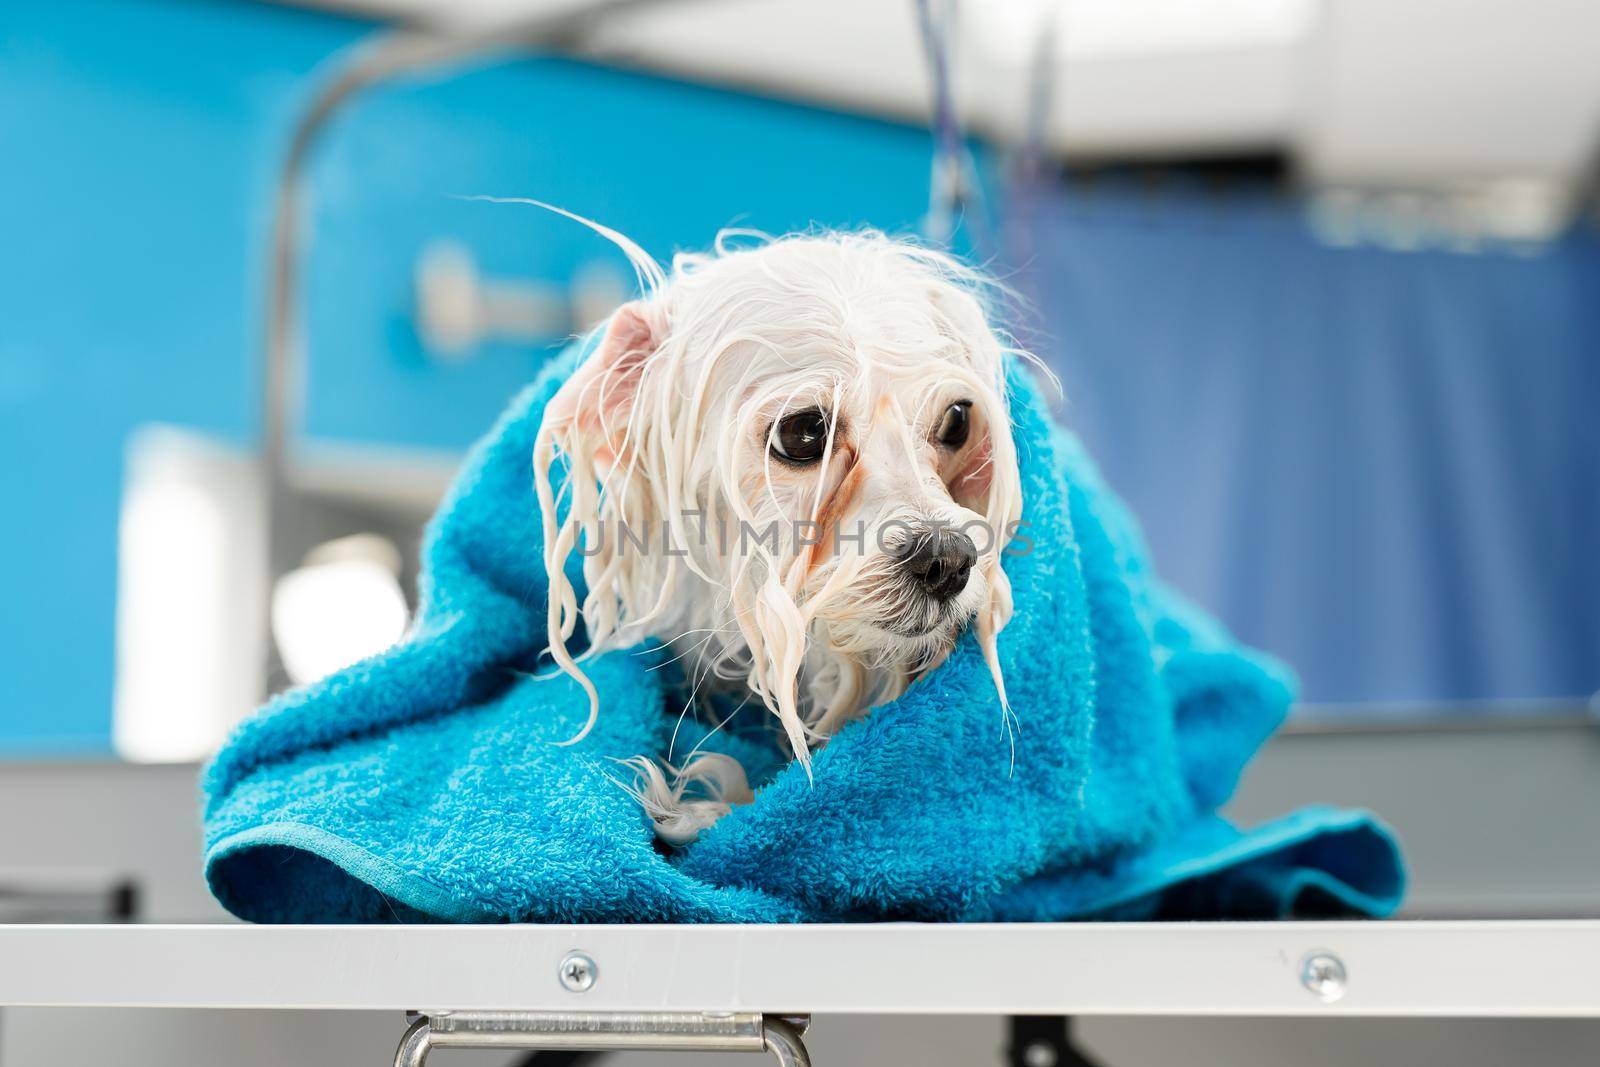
(423, 784)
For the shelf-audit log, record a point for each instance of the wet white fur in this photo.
(673, 413)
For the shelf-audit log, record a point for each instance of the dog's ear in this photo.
(588, 420)
(597, 402)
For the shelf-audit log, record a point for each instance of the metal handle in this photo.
(606, 1031)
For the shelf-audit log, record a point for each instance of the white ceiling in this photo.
(1423, 89)
(1418, 93)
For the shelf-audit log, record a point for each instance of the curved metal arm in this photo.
(380, 58)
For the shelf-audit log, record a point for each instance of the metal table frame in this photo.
(751, 987)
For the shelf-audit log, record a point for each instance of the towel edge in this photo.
(378, 873)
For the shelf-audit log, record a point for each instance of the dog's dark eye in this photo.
(955, 424)
(801, 437)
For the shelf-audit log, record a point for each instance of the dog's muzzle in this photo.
(939, 561)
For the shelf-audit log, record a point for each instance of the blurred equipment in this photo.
(343, 605)
(1428, 95)
(190, 601)
(458, 308)
(38, 896)
(310, 500)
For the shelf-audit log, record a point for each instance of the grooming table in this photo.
(751, 987)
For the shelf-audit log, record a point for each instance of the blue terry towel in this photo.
(423, 784)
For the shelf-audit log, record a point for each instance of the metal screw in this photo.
(1324, 975)
(578, 972)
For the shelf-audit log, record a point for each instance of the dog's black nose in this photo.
(940, 560)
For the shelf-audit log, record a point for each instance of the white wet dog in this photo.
(791, 460)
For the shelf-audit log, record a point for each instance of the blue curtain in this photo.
(1382, 466)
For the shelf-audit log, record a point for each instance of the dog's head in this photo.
(795, 457)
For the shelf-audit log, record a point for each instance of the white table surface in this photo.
(1468, 968)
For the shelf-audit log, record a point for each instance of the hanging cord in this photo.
(1029, 185)
(1041, 90)
(954, 194)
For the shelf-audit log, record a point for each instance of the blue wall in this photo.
(1383, 466)
(139, 141)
